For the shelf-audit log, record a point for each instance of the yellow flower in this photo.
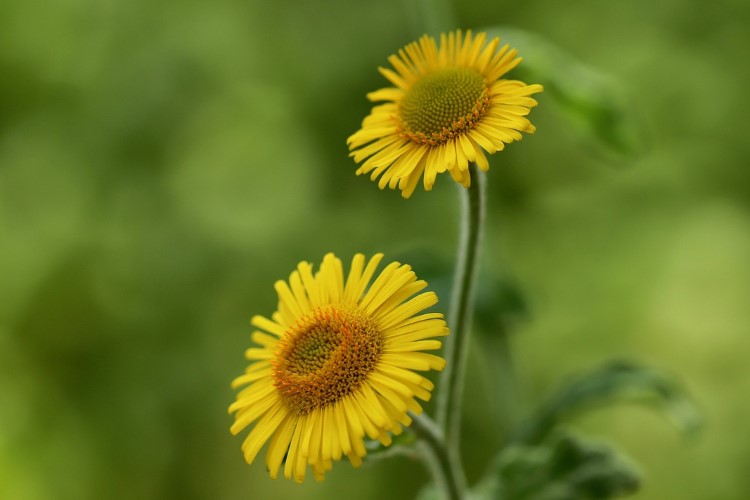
(448, 106)
(336, 363)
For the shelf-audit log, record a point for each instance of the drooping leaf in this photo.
(595, 103)
(618, 381)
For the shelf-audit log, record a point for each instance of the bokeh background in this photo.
(163, 163)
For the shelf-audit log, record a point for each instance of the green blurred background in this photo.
(163, 163)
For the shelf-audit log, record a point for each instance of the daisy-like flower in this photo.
(449, 105)
(337, 362)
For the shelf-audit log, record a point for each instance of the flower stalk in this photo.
(457, 344)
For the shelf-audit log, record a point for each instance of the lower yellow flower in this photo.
(337, 363)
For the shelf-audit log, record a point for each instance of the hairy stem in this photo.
(457, 343)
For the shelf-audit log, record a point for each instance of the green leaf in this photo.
(614, 382)
(595, 103)
(593, 470)
(571, 468)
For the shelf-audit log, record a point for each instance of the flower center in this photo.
(325, 356)
(443, 104)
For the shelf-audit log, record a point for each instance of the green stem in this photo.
(457, 343)
(445, 466)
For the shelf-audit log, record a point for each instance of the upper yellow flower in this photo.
(337, 363)
(448, 106)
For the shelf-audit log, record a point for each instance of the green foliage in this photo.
(614, 382)
(569, 468)
(540, 464)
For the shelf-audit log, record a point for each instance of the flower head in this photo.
(336, 363)
(449, 105)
